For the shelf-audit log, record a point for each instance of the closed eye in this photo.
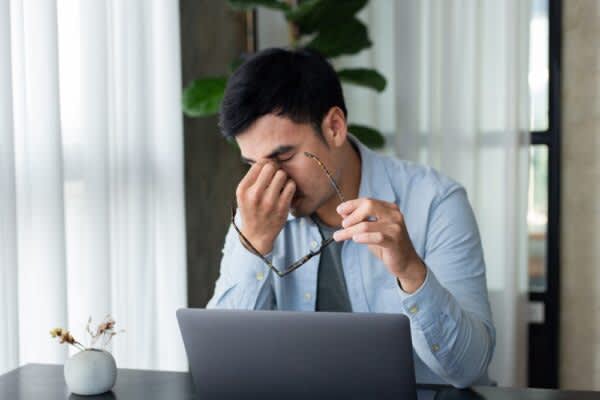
(286, 159)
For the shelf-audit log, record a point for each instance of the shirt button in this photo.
(307, 296)
(435, 348)
(314, 244)
(260, 276)
(413, 310)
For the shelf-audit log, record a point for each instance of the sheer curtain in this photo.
(91, 206)
(462, 107)
(457, 99)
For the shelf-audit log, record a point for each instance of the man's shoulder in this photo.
(418, 182)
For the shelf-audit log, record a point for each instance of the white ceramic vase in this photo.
(91, 372)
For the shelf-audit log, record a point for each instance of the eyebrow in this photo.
(279, 150)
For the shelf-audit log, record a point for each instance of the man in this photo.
(405, 238)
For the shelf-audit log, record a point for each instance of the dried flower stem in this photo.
(104, 333)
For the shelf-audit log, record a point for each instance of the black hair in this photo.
(298, 84)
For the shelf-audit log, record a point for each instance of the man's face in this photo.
(280, 140)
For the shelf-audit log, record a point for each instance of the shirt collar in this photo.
(374, 180)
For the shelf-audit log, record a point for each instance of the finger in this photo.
(287, 194)
(372, 238)
(348, 206)
(363, 227)
(373, 210)
(250, 177)
(381, 234)
(273, 191)
(264, 178)
(370, 210)
(360, 214)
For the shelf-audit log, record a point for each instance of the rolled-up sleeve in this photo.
(450, 314)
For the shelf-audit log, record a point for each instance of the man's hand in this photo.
(264, 197)
(380, 225)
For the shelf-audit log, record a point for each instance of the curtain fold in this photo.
(91, 124)
(9, 344)
(42, 289)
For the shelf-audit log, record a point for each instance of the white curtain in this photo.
(91, 178)
(457, 99)
(461, 88)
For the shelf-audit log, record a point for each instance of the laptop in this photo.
(298, 355)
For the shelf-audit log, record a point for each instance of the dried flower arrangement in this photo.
(103, 334)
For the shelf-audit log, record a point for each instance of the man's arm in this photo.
(244, 281)
(264, 196)
(450, 315)
(448, 304)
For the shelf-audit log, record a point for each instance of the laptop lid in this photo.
(283, 355)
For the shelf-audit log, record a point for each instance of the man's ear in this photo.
(334, 127)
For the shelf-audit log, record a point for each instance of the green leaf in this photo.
(368, 136)
(348, 38)
(363, 77)
(243, 5)
(203, 96)
(313, 15)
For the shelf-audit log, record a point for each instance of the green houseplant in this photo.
(328, 26)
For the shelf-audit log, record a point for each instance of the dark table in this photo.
(44, 381)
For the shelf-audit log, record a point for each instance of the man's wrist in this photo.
(262, 246)
(413, 277)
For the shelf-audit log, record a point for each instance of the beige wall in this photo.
(580, 242)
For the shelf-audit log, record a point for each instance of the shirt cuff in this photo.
(424, 306)
(250, 267)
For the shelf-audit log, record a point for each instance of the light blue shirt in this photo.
(451, 323)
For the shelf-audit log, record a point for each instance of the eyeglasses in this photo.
(300, 262)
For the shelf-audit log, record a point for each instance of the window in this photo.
(537, 215)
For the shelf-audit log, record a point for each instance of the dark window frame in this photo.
(543, 365)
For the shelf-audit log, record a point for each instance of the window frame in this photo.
(544, 340)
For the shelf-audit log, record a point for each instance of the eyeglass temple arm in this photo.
(304, 259)
(324, 168)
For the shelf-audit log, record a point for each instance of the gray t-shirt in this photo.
(332, 294)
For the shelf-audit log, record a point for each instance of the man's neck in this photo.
(348, 182)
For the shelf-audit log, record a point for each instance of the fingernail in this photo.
(340, 208)
(335, 235)
(344, 223)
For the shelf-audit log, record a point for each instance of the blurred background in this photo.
(115, 183)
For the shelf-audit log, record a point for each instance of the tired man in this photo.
(325, 224)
